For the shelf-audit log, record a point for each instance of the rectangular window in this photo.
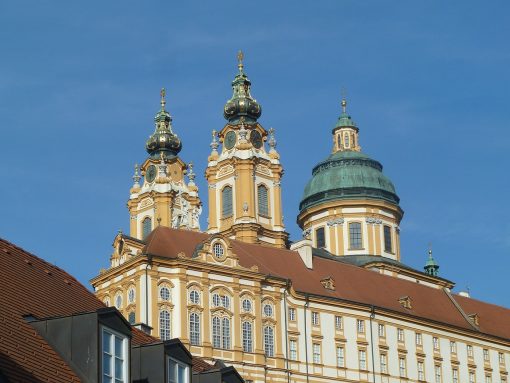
(470, 351)
(387, 239)
(269, 341)
(355, 238)
(421, 371)
(263, 200)
(315, 318)
(362, 360)
(316, 353)
(338, 322)
(400, 334)
(381, 330)
(453, 347)
(419, 339)
(361, 326)
(292, 314)
(402, 366)
(114, 352)
(435, 343)
(501, 358)
(488, 379)
(455, 375)
(383, 359)
(485, 355)
(437, 374)
(177, 372)
(320, 238)
(194, 329)
(293, 349)
(472, 377)
(226, 200)
(340, 357)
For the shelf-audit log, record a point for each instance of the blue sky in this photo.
(427, 83)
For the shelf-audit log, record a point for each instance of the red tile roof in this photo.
(31, 286)
(352, 283)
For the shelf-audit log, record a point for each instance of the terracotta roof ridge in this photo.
(461, 311)
(482, 302)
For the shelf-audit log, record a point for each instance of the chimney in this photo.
(304, 248)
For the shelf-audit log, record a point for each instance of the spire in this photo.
(431, 267)
(241, 104)
(163, 140)
(344, 120)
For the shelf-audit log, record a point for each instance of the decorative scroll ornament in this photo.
(328, 283)
(335, 222)
(373, 221)
(306, 233)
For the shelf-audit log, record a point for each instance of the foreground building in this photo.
(54, 330)
(337, 305)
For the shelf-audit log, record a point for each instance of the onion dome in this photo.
(347, 173)
(242, 104)
(163, 140)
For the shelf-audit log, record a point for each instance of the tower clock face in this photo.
(150, 175)
(256, 139)
(230, 140)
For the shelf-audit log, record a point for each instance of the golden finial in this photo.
(163, 94)
(240, 57)
(430, 248)
(344, 101)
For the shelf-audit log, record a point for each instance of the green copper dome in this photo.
(163, 140)
(347, 175)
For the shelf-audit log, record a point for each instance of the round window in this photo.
(268, 310)
(246, 305)
(164, 293)
(218, 250)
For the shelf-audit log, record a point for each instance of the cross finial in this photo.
(343, 92)
(163, 94)
(240, 57)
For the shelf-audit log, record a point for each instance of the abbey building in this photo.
(337, 304)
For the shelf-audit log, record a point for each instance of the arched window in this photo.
(131, 295)
(268, 310)
(247, 305)
(132, 317)
(247, 337)
(269, 341)
(387, 239)
(194, 329)
(221, 332)
(355, 238)
(263, 201)
(346, 140)
(118, 301)
(146, 227)
(226, 200)
(164, 325)
(194, 297)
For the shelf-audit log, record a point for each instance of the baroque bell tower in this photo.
(163, 198)
(243, 178)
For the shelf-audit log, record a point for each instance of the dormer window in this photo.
(177, 372)
(114, 362)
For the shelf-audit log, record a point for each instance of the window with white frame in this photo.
(355, 238)
(316, 347)
(263, 200)
(164, 325)
(226, 201)
(177, 372)
(470, 351)
(131, 295)
(164, 293)
(400, 335)
(435, 343)
(315, 318)
(269, 341)
(421, 371)
(419, 339)
(247, 305)
(501, 358)
(221, 332)
(268, 310)
(383, 360)
(340, 356)
(437, 373)
(455, 375)
(485, 355)
(381, 330)
(388, 247)
(194, 329)
(360, 324)
(194, 297)
(114, 357)
(402, 366)
(221, 300)
(132, 317)
(488, 379)
(218, 250)
(146, 227)
(247, 336)
(292, 314)
(118, 301)
(472, 377)
(453, 347)
(292, 349)
(338, 322)
(362, 359)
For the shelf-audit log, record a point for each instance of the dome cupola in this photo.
(242, 104)
(163, 140)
